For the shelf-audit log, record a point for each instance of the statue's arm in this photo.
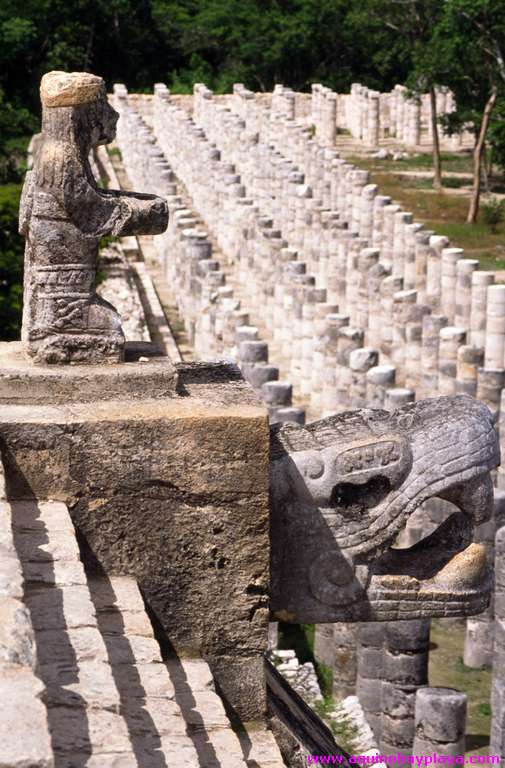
(142, 213)
(97, 212)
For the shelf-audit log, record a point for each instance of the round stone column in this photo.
(494, 354)
(440, 721)
(478, 306)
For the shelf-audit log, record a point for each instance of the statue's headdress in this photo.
(68, 89)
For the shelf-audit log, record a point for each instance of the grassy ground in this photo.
(445, 212)
(447, 669)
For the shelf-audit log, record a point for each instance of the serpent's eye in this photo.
(311, 466)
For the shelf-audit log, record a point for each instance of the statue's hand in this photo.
(146, 215)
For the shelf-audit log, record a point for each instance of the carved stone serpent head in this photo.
(343, 488)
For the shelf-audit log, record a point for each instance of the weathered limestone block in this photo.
(343, 488)
(63, 215)
(165, 472)
(24, 733)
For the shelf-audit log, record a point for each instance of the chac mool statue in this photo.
(63, 216)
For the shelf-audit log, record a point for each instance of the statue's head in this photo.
(83, 97)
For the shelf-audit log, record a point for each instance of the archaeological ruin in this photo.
(272, 399)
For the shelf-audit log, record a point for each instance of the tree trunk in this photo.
(477, 158)
(437, 166)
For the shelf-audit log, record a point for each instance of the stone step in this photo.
(24, 732)
(110, 699)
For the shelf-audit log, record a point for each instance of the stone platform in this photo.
(164, 469)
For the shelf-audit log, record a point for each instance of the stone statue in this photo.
(343, 488)
(63, 215)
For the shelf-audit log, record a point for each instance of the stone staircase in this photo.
(83, 679)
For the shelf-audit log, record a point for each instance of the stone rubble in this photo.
(301, 677)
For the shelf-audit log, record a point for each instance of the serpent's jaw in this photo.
(343, 488)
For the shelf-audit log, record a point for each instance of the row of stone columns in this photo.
(414, 256)
(216, 324)
(373, 117)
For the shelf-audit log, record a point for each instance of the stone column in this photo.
(334, 323)
(389, 287)
(366, 261)
(371, 673)
(434, 271)
(373, 118)
(276, 394)
(405, 670)
(479, 639)
(322, 311)
(450, 258)
(422, 238)
(432, 325)
(345, 660)
(360, 362)
(410, 268)
(440, 721)
(414, 345)
(494, 353)
(478, 309)
(403, 302)
(378, 381)
(380, 202)
(397, 397)
(388, 229)
(490, 382)
(349, 338)
(469, 360)
(500, 475)
(401, 221)
(312, 298)
(451, 338)
(367, 211)
(335, 647)
(497, 745)
(464, 271)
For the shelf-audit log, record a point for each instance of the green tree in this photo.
(411, 22)
(469, 44)
(11, 264)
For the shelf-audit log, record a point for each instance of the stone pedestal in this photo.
(165, 471)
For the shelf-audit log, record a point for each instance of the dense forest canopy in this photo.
(423, 43)
(139, 42)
